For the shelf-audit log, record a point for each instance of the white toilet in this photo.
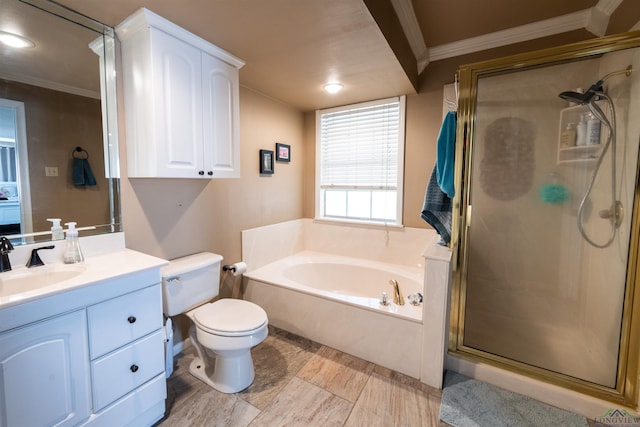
(223, 332)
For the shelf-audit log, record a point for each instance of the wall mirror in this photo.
(58, 129)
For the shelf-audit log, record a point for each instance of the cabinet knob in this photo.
(210, 173)
(200, 172)
(131, 319)
(134, 368)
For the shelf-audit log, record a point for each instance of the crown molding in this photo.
(594, 20)
(600, 15)
(607, 6)
(409, 23)
(48, 84)
(547, 27)
(423, 62)
(598, 22)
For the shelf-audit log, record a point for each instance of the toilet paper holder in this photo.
(236, 269)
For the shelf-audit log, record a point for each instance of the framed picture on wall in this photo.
(283, 152)
(266, 161)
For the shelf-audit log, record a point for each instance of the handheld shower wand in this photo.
(616, 211)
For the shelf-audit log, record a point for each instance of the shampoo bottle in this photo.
(593, 130)
(56, 229)
(72, 252)
(568, 137)
(581, 132)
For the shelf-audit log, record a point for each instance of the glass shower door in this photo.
(535, 290)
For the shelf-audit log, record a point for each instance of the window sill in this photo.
(356, 223)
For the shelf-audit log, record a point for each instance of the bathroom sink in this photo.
(25, 280)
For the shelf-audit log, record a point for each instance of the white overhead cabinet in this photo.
(181, 102)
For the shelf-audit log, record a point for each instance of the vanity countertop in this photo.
(58, 278)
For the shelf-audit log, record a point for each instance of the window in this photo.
(7, 144)
(359, 161)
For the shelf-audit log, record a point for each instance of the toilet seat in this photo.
(230, 317)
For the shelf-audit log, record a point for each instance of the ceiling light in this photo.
(15, 40)
(333, 87)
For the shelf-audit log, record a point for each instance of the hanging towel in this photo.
(82, 173)
(437, 209)
(445, 158)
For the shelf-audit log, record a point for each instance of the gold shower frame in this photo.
(626, 390)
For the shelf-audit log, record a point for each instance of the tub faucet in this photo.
(397, 295)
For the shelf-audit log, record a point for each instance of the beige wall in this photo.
(423, 120)
(170, 218)
(309, 177)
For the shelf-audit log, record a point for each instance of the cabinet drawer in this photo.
(119, 321)
(120, 372)
(144, 406)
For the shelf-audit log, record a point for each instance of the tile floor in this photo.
(302, 383)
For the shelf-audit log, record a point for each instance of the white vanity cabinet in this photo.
(181, 98)
(91, 355)
(44, 373)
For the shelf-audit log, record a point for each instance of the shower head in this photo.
(583, 98)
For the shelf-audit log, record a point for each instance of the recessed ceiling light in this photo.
(15, 40)
(333, 87)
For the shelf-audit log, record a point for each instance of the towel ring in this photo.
(78, 152)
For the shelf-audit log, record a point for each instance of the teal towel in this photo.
(82, 173)
(445, 159)
(436, 210)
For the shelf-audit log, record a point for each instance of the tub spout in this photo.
(397, 294)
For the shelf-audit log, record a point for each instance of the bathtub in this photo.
(335, 300)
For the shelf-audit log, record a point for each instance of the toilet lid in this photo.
(229, 316)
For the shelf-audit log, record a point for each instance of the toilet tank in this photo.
(190, 281)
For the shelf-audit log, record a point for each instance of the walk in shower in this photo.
(546, 236)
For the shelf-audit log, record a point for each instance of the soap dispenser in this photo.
(72, 252)
(56, 229)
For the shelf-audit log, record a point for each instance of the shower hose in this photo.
(615, 212)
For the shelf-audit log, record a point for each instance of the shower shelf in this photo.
(583, 153)
(575, 154)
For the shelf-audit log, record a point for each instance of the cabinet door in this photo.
(44, 373)
(220, 118)
(177, 87)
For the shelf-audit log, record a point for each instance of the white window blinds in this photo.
(7, 163)
(359, 147)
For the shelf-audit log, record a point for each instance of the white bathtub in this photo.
(348, 280)
(335, 300)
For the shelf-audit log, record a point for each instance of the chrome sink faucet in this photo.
(397, 294)
(5, 248)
